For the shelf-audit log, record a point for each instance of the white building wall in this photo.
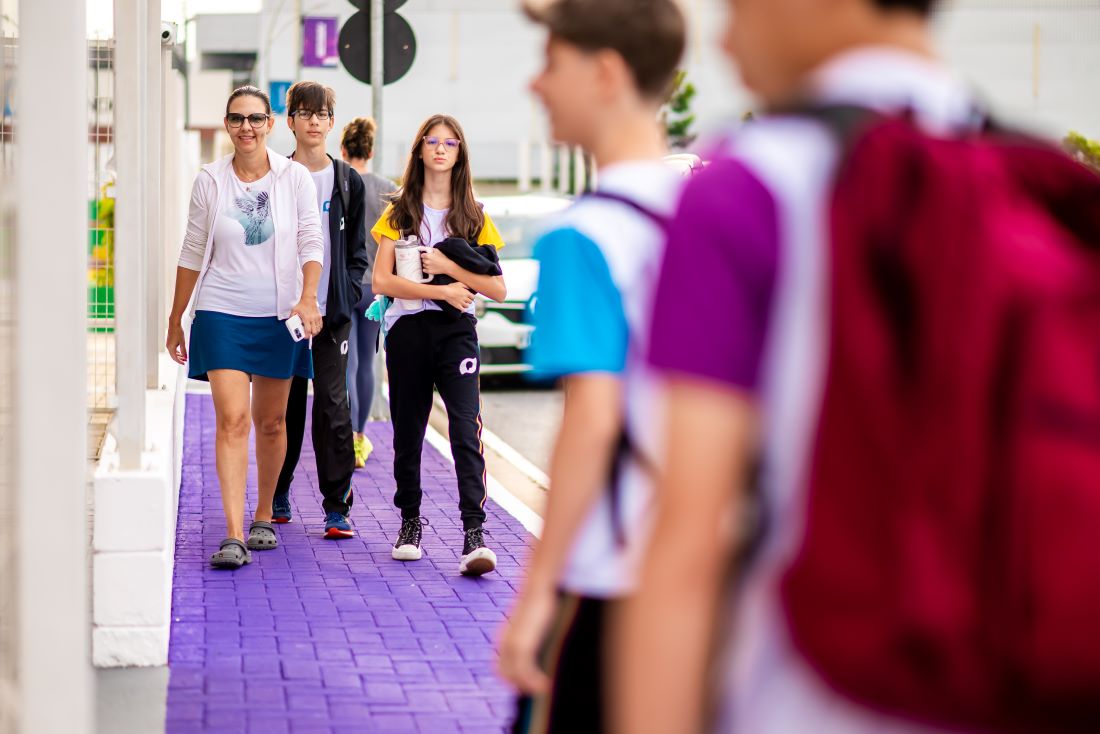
(1034, 60)
(473, 61)
(476, 57)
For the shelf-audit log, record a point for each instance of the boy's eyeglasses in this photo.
(433, 142)
(321, 115)
(255, 120)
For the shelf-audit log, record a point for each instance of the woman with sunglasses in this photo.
(252, 256)
(426, 347)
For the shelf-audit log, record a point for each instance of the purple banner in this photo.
(319, 42)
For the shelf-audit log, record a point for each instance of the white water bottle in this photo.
(407, 253)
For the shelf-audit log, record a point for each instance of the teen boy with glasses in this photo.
(340, 201)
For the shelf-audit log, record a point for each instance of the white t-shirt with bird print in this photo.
(241, 278)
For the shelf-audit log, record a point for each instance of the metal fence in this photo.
(101, 243)
(9, 675)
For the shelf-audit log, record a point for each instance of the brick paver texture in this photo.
(321, 636)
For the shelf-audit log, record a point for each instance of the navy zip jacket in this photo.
(348, 238)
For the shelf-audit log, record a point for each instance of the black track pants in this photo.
(332, 439)
(426, 350)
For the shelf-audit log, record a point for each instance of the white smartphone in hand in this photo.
(296, 328)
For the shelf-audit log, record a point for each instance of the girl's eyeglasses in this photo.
(255, 120)
(433, 142)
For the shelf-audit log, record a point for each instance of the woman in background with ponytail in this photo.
(357, 149)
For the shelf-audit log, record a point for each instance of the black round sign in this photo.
(399, 51)
(388, 6)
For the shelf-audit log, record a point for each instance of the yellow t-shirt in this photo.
(489, 234)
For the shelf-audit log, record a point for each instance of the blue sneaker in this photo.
(337, 526)
(280, 510)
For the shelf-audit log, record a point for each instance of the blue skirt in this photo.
(257, 346)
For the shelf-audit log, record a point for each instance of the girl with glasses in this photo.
(427, 347)
(252, 257)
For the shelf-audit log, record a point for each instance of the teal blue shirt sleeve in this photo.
(580, 324)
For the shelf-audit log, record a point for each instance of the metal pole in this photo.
(131, 130)
(297, 39)
(378, 78)
(49, 353)
(379, 408)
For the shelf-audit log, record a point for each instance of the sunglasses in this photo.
(255, 120)
(433, 142)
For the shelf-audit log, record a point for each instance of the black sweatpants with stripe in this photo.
(426, 350)
(332, 435)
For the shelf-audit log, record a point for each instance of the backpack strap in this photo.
(343, 183)
(659, 219)
(847, 121)
(626, 449)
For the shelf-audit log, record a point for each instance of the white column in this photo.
(131, 132)
(524, 165)
(173, 198)
(580, 171)
(50, 354)
(563, 169)
(152, 78)
(546, 166)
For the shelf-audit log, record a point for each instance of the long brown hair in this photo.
(465, 218)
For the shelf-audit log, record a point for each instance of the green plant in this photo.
(1085, 150)
(677, 115)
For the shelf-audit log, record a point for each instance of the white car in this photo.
(504, 329)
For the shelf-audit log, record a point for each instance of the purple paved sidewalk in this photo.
(323, 636)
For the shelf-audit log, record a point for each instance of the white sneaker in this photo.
(477, 560)
(407, 547)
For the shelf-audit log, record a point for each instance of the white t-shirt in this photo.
(598, 268)
(324, 181)
(433, 230)
(760, 232)
(241, 277)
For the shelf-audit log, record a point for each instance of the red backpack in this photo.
(950, 564)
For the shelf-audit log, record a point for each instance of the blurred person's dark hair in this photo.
(650, 35)
(358, 137)
(311, 97)
(249, 91)
(924, 7)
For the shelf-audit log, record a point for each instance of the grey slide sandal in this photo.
(261, 536)
(232, 554)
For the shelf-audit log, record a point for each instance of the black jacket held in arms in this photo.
(478, 259)
(348, 238)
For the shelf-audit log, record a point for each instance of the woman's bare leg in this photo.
(231, 400)
(269, 399)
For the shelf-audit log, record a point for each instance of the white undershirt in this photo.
(324, 182)
(433, 230)
(241, 278)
